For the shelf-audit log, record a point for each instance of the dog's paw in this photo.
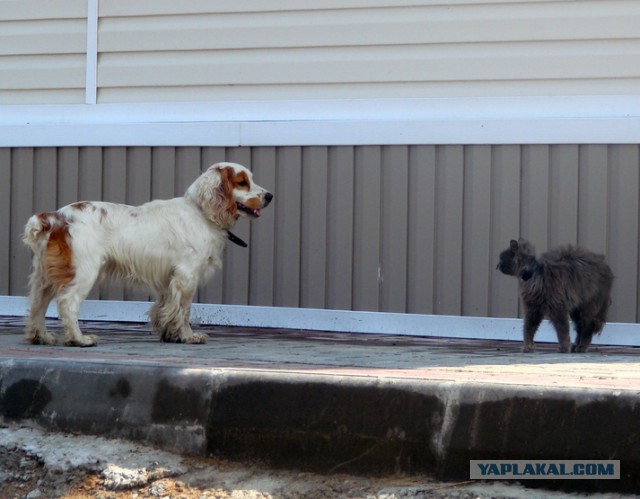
(528, 348)
(196, 339)
(42, 339)
(86, 340)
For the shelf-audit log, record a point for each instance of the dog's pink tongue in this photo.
(257, 213)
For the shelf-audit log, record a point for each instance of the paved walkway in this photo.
(285, 350)
(333, 401)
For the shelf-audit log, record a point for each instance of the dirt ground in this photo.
(41, 465)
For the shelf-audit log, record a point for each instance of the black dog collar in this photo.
(235, 239)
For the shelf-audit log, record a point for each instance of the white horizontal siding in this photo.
(242, 71)
(21, 10)
(245, 96)
(166, 51)
(64, 36)
(399, 64)
(374, 26)
(42, 51)
(170, 7)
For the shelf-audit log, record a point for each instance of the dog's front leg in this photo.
(171, 313)
(187, 335)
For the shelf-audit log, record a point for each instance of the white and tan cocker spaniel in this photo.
(170, 246)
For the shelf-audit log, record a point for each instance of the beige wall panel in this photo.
(262, 253)
(535, 193)
(563, 201)
(394, 218)
(367, 228)
(622, 253)
(477, 258)
(68, 175)
(422, 233)
(504, 225)
(114, 190)
(21, 208)
(6, 238)
(138, 191)
(287, 231)
(340, 212)
(313, 227)
(188, 168)
(45, 188)
(449, 223)
(592, 203)
(163, 172)
(402, 228)
(90, 185)
(90, 174)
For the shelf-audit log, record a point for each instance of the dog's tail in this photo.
(39, 227)
(47, 234)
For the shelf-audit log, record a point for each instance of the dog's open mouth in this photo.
(250, 212)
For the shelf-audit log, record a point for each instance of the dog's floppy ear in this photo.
(513, 245)
(213, 193)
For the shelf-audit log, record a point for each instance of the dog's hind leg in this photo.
(40, 296)
(532, 320)
(69, 299)
(560, 322)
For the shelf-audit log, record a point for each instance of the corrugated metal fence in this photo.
(412, 229)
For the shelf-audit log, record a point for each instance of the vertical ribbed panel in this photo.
(412, 229)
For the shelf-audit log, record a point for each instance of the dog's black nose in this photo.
(268, 197)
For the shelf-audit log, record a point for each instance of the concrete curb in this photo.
(328, 422)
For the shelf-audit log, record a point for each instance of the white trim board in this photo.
(91, 74)
(333, 320)
(485, 120)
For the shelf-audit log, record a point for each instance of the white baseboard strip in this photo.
(621, 334)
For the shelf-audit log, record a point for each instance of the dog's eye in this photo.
(243, 183)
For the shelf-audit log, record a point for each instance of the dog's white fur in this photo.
(168, 245)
